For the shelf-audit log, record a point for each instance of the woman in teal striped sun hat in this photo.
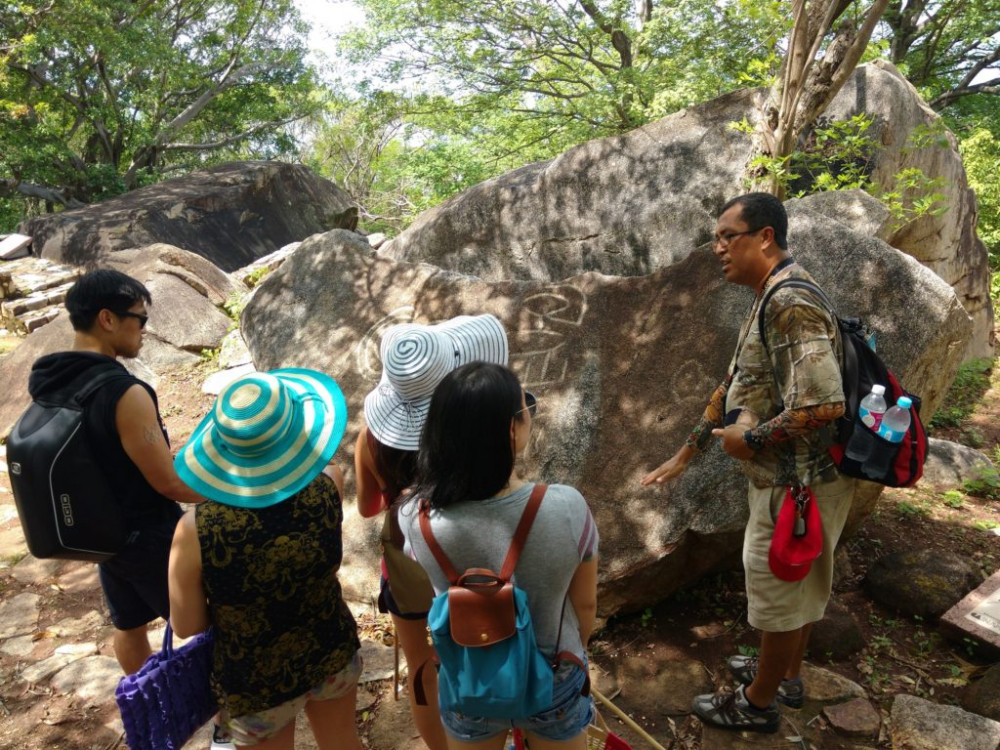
(268, 436)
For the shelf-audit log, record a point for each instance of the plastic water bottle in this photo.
(873, 407)
(870, 413)
(896, 421)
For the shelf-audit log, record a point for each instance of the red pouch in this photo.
(791, 555)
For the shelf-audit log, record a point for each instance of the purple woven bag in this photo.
(166, 701)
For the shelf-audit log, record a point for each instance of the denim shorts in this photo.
(252, 729)
(568, 716)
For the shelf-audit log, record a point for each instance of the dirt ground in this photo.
(705, 623)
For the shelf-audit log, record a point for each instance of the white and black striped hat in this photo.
(415, 358)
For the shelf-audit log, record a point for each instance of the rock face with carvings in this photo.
(633, 204)
(622, 367)
(184, 319)
(231, 214)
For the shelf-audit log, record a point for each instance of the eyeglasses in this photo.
(138, 316)
(530, 403)
(726, 240)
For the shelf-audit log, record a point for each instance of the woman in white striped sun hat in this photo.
(415, 358)
(260, 563)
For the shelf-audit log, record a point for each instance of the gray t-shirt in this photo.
(478, 535)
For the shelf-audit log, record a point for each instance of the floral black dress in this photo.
(270, 576)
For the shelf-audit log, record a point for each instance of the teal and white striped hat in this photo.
(268, 436)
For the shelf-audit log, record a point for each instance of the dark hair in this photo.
(103, 289)
(397, 467)
(466, 451)
(759, 210)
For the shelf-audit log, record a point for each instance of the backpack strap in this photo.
(97, 382)
(516, 544)
(798, 284)
(521, 534)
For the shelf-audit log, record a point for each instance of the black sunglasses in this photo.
(138, 316)
(530, 403)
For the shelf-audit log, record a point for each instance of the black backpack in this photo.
(66, 506)
(861, 369)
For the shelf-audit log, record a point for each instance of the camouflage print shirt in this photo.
(803, 370)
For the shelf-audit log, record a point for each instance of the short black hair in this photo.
(759, 210)
(466, 450)
(103, 289)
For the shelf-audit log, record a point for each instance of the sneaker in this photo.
(221, 739)
(733, 711)
(744, 668)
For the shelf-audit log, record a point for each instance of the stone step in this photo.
(45, 297)
(24, 276)
(35, 319)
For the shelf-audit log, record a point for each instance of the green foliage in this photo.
(906, 509)
(491, 86)
(986, 484)
(97, 97)
(954, 499)
(980, 150)
(235, 302)
(646, 618)
(969, 385)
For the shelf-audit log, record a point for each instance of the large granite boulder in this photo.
(632, 204)
(184, 319)
(231, 214)
(622, 368)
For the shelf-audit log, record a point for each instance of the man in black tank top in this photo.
(108, 312)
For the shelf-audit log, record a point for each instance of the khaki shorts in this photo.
(251, 729)
(777, 606)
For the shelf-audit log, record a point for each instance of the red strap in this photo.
(442, 559)
(516, 544)
(521, 534)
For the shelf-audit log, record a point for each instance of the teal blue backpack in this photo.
(489, 662)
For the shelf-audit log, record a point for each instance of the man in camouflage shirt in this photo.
(774, 412)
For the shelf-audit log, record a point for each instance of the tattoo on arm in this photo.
(793, 423)
(713, 417)
(150, 435)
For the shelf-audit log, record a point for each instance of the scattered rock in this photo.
(19, 615)
(231, 214)
(376, 240)
(843, 571)
(326, 306)
(378, 661)
(215, 382)
(983, 696)
(233, 351)
(922, 582)
(42, 670)
(73, 627)
(918, 724)
(825, 686)
(252, 274)
(92, 678)
(14, 547)
(79, 577)
(837, 636)
(33, 570)
(655, 686)
(949, 465)
(21, 646)
(856, 718)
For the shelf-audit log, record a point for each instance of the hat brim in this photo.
(207, 467)
(394, 422)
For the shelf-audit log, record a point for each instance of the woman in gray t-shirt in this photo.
(479, 420)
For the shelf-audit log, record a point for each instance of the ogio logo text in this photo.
(67, 509)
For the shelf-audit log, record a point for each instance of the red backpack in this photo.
(861, 369)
